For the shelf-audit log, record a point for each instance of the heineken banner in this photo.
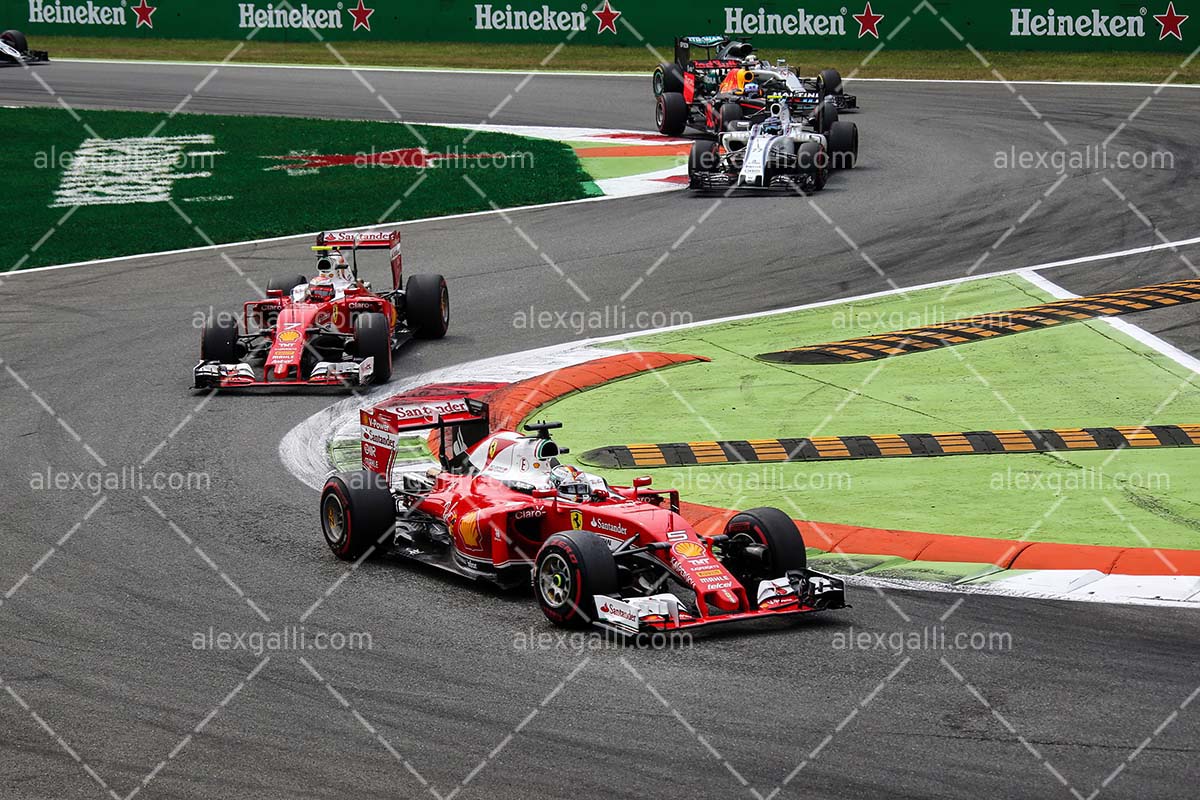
(1150, 25)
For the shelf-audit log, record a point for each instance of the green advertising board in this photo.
(1065, 25)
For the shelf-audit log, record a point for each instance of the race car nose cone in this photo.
(726, 600)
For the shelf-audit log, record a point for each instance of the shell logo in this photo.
(688, 549)
(289, 336)
(468, 529)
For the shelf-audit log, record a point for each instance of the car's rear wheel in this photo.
(373, 339)
(427, 306)
(843, 145)
(671, 113)
(667, 78)
(572, 568)
(764, 544)
(829, 83)
(219, 340)
(16, 40)
(358, 512)
(704, 158)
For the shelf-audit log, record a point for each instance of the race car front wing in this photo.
(215, 375)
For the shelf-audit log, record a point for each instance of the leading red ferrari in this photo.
(504, 508)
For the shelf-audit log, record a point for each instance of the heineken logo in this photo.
(303, 16)
(111, 14)
(544, 17)
(742, 22)
(1095, 23)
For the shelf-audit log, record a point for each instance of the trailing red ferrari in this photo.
(328, 330)
(504, 508)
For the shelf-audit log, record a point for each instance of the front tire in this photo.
(572, 568)
(703, 159)
(427, 306)
(843, 145)
(357, 513)
(219, 341)
(285, 283)
(16, 40)
(829, 83)
(373, 339)
(773, 531)
(813, 161)
(671, 114)
(729, 114)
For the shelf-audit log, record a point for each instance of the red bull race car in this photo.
(729, 83)
(503, 508)
(327, 330)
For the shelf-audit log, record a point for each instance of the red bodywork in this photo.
(495, 527)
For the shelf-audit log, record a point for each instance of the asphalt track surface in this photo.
(98, 640)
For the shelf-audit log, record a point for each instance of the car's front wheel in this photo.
(764, 544)
(373, 339)
(219, 341)
(572, 568)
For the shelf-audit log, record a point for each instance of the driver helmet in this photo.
(569, 481)
(320, 289)
(772, 125)
(751, 90)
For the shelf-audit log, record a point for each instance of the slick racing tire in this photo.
(781, 160)
(427, 305)
(777, 534)
(572, 568)
(813, 161)
(671, 114)
(219, 341)
(829, 83)
(843, 145)
(826, 117)
(703, 159)
(667, 78)
(16, 40)
(357, 513)
(373, 339)
(729, 114)
(286, 283)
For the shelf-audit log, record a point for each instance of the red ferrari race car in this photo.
(328, 330)
(503, 508)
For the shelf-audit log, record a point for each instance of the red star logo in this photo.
(362, 16)
(1171, 23)
(868, 22)
(144, 13)
(607, 17)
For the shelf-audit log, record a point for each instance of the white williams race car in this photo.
(784, 151)
(14, 49)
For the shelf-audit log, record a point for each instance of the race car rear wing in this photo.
(383, 424)
(370, 240)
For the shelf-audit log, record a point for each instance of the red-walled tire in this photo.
(572, 568)
(777, 532)
(358, 513)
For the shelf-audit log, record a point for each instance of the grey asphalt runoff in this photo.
(110, 686)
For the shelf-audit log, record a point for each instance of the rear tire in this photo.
(667, 78)
(785, 551)
(286, 283)
(219, 341)
(427, 306)
(671, 114)
(16, 40)
(843, 145)
(357, 513)
(373, 339)
(572, 568)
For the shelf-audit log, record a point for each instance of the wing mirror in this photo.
(545, 494)
(642, 482)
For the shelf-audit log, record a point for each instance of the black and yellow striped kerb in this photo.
(989, 326)
(902, 445)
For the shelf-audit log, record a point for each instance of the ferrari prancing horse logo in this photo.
(577, 520)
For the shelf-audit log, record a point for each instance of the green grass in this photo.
(623, 167)
(1077, 375)
(242, 197)
(960, 64)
